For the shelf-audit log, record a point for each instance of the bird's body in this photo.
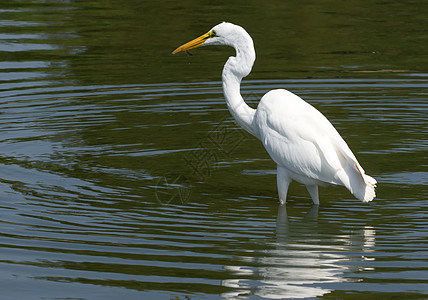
(300, 140)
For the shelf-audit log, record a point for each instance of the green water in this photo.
(124, 176)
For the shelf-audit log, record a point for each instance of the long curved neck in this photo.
(234, 70)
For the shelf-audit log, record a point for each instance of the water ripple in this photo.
(80, 165)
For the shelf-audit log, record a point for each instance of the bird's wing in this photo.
(300, 138)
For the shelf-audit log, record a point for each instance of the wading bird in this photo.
(302, 142)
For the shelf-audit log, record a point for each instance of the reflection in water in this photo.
(302, 261)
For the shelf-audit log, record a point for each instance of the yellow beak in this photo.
(193, 43)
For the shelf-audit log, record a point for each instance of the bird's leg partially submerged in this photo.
(313, 191)
(283, 181)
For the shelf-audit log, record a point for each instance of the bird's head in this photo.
(222, 34)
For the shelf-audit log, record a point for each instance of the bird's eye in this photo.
(213, 34)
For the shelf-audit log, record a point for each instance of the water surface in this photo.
(123, 174)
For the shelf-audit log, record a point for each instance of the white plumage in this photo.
(302, 142)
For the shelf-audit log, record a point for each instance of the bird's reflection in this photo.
(302, 262)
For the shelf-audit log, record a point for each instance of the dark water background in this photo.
(124, 177)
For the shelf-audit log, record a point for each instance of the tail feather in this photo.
(362, 186)
(348, 171)
(369, 192)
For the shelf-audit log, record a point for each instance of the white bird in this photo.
(302, 142)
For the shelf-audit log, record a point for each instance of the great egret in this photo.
(302, 142)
